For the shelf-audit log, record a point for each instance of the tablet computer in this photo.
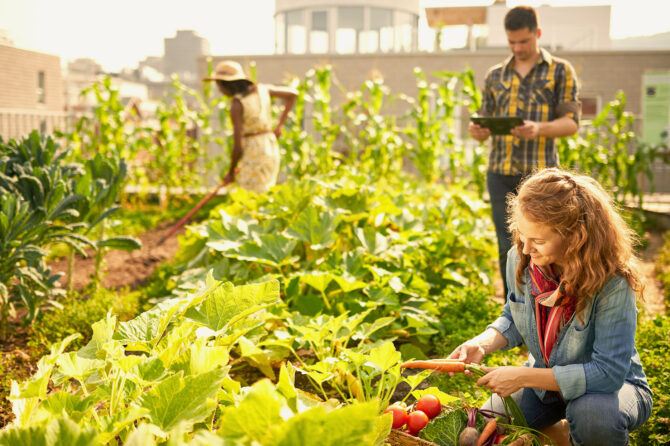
(499, 125)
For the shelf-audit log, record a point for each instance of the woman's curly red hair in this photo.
(598, 242)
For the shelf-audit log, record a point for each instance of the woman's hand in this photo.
(502, 380)
(230, 177)
(470, 351)
(277, 131)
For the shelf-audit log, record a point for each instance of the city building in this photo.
(32, 91)
(346, 26)
(181, 53)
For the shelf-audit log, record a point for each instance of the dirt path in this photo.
(124, 268)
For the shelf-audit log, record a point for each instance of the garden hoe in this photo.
(185, 218)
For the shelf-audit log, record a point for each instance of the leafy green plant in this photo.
(347, 246)
(176, 385)
(37, 209)
(663, 266)
(112, 130)
(652, 344)
(178, 147)
(100, 186)
(610, 152)
(374, 141)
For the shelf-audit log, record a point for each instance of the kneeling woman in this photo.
(254, 161)
(572, 302)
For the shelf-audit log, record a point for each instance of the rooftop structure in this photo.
(346, 26)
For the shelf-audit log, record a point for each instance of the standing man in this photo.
(541, 89)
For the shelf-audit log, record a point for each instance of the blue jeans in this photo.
(499, 187)
(594, 418)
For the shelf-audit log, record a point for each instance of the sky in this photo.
(120, 33)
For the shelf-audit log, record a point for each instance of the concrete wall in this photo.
(18, 80)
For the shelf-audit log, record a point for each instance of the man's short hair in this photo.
(521, 17)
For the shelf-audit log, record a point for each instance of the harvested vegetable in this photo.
(430, 405)
(441, 365)
(524, 440)
(445, 429)
(399, 415)
(468, 437)
(488, 430)
(416, 421)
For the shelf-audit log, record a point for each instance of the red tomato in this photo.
(416, 421)
(430, 405)
(399, 416)
(499, 439)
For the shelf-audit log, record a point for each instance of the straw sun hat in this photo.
(227, 70)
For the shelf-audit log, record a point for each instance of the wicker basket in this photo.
(399, 438)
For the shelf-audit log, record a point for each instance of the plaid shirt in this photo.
(548, 92)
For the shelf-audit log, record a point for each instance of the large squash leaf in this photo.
(183, 399)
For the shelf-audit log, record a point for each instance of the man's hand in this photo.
(501, 380)
(529, 130)
(478, 132)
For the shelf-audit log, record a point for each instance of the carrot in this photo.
(488, 430)
(442, 365)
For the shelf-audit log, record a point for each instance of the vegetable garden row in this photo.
(285, 318)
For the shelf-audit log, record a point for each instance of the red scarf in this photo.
(553, 309)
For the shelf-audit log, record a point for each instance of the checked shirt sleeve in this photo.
(567, 92)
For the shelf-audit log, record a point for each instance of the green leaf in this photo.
(103, 330)
(142, 436)
(125, 243)
(385, 356)
(63, 431)
(315, 228)
(205, 358)
(258, 357)
(26, 436)
(286, 385)
(445, 429)
(255, 414)
(143, 332)
(373, 241)
(111, 426)
(271, 249)
(445, 398)
(77, 367)
(226, 303)
(351, 425)
(61, 402)
(177, 399)
(348, 283)
(317, 280)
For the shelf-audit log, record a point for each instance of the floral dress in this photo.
(259, 165)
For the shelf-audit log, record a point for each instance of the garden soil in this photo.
(124, 269)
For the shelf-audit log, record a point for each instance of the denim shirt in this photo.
(595, 355)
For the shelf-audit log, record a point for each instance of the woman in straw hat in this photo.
(254, 162)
